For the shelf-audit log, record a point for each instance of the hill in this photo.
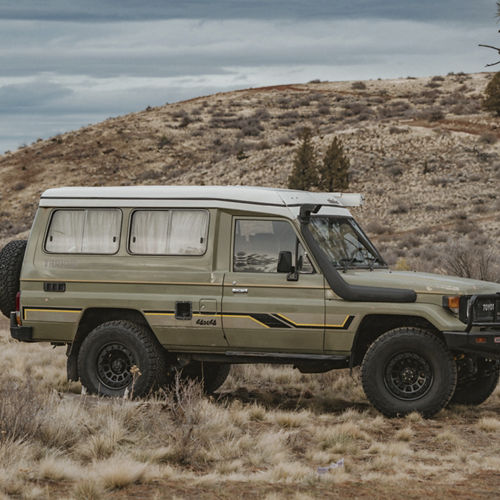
(422, 151)
(427, 159)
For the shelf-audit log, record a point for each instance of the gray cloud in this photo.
(132, 10)
(189, 48)
(66, 64)
(27, 96)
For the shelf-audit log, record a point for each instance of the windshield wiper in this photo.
(374, 260)
(347, 262)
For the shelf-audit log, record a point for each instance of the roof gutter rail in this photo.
(346, 291)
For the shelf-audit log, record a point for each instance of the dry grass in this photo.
(268, 427)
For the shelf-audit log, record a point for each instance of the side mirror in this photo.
(285, 262)
(285, 266)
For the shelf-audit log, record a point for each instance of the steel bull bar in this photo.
(483, 314)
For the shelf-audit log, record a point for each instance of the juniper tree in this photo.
(334, 171)
(305, 169)
(491, 101)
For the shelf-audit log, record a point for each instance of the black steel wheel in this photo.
(120, 356)
(406, 370)
(114, 363)
(408, 376)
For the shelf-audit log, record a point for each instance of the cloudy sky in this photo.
(67, 63)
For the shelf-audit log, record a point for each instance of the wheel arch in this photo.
(91, 318)
(373, 326)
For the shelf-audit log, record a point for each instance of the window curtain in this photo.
(66, 231)
(169, 232)
(149, 233)
(188, 232)
(101, 231)
(84, 231)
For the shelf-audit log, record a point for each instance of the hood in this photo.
(420, 282)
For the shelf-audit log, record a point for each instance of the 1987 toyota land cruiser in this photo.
(193, 279)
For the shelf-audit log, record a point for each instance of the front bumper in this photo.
(22, 333)
(486, 343)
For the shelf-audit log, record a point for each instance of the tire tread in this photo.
(368, 382)
(156, 372)
(11, 261)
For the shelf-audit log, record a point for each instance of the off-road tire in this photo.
(211, 375)
(407, 370)
(11, 261)
(111, 349)
(476, 390)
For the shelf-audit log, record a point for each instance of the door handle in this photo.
(240, 290)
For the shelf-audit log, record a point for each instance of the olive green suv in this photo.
(141, 283)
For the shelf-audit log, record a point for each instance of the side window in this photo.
(257, 244)
(169, 232)
(89, 231)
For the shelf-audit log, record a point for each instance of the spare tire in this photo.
(11, 261)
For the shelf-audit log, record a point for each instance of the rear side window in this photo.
(89, 231)
(169, 232)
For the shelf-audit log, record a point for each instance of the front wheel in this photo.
(407, 370)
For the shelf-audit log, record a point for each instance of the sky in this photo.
(67, 63)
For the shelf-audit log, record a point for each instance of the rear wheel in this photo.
(211, 375)
(11, 261)
(110, 352)
(406, 370)
(477, 379)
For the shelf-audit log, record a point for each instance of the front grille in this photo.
(484, 310)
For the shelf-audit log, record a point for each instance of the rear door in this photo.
(262, 310)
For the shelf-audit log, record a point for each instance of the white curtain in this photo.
(101, 231)
(66, 231)
(149, 233)
(188, 232)
(84, 231)
(169, 232)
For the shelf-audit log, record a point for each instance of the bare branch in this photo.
(490, 47)
(492, 64)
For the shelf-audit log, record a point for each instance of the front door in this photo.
(262, 310)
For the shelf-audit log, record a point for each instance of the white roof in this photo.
(242, 194)
(236, 197)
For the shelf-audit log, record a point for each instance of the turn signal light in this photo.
(453, 303)
(481, 340)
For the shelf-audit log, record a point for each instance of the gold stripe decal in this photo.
(312, 325)
(265, 320)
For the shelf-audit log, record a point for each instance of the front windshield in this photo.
(344, 243)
